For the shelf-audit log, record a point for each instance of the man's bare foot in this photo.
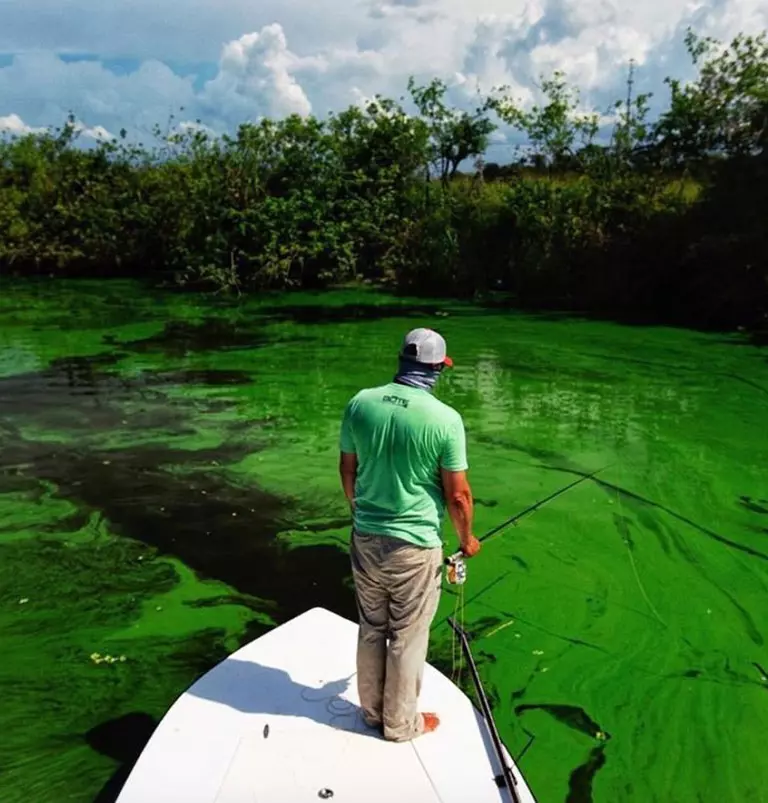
(431, 722)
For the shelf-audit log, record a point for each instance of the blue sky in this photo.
(133, 63)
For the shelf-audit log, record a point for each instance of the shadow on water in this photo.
(81, 392)
(180, 338)
(221, 531)
(122, 740)
(172, 499)
(570, 715)
(751, 505)
(176, 501)
(321, 314)
(582, 778)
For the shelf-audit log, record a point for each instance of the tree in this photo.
(455, 135)
(552, 129)
(725, 111)
(632, 134)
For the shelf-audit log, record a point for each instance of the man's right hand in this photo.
(458, 496)
(471, 547)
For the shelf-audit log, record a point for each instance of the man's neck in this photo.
(398, 380)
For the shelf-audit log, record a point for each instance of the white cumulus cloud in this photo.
(228, 61)
(256, 77)
(13, 124)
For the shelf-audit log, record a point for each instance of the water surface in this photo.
(168, 490)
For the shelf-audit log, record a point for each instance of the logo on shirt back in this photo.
(396, 400)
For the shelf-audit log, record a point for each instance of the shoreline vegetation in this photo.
(664, 223)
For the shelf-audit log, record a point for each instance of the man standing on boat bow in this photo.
(403, 462)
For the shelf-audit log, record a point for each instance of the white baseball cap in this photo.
(425, 346)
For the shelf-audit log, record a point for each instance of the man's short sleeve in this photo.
(346, 441)
(454, 456)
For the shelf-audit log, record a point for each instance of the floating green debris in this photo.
(98, 658)
(500, 627)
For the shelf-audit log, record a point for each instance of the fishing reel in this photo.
(456, 569)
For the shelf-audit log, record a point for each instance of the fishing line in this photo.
(456, 569)
(454, 640)
(657, 505)
(456, 575)
(458, 613)
(506, 777)
(625, 541)
(462, 609)
(530, 509)
(514, 519)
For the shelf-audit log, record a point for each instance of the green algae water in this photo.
(169, 490)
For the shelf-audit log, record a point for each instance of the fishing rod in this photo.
(506, 773)
(457, 574)
(455, 561)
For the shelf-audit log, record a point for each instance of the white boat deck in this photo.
(278, 722)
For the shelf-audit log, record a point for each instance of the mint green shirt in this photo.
(402, 436)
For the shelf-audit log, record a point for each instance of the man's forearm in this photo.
(461, 511)
(348, 484)
(348, 474)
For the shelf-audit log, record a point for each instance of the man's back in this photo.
(402, 437)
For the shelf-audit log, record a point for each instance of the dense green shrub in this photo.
(654, 222)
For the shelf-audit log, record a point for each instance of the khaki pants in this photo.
(397, 589)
